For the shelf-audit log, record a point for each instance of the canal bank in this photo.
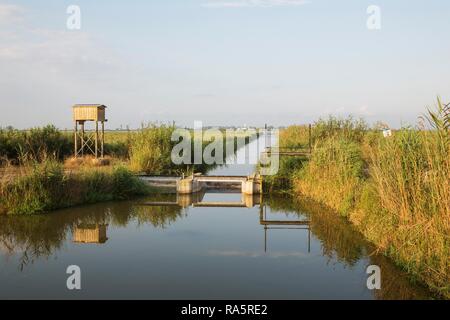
(280, 248)
(393, 189)
(130, 250)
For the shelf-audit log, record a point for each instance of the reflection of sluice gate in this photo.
(247, 201)
(90, 233)
(282, 225)
(196, 200)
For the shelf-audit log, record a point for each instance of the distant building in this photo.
(387, 132)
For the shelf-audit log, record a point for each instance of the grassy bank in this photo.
(42, 182)
(395, 190)
(151, 150)
(47, 187)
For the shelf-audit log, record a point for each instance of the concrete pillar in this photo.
(188, 185)
(252, 185)
(184, 186)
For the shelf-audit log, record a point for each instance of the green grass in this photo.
(48, 187)
(43, 183)
(151, 148)
(395, 190)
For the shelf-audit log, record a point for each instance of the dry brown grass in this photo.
(87, 161)
(395, 190)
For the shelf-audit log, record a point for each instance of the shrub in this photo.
(395, 190)
(36, 144)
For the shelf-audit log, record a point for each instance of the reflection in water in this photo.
(340, 241)
(196, 200)
(282, 225)
(39, 236)
(90, 233)
(31, 239)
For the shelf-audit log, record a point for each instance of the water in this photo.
(182, 251)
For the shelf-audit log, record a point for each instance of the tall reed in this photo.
(47, 187)
(395, 190)
(411, 174)
(150, 149)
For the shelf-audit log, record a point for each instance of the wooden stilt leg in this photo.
(82, 138)
(75, 134)
(96, 139)
(103, 138)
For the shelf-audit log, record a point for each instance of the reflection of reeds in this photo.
(342, 242)
(40, 236)
(158, 216)
(396, 284)
(33, 236)
(339, 239)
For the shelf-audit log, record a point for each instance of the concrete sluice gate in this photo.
(197, 183)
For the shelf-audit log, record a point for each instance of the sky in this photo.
(222, 62)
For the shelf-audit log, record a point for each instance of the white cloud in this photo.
(33, 45)
(253, 3)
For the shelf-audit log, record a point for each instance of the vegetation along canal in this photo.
(282, 248)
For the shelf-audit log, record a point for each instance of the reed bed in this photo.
(395, 189)
(151, 148)
(47, 186)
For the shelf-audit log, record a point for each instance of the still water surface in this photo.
(277, 249)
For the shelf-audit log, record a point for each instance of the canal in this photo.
(282, 248)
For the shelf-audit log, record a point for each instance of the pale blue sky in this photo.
(222, 61)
